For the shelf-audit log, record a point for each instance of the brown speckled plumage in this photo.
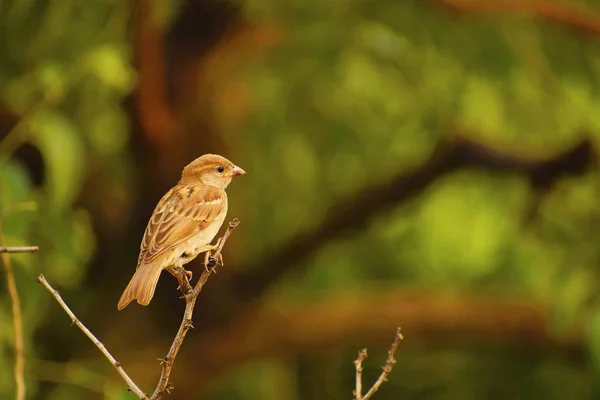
(183, 224)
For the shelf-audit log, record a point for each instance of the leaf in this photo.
(62, 148)
(71, 243)
(15, 196)
(483, 105)
(593, 338)
(14, 185)
(461, 229)
(50, 75)
(108, 131)
(571, 296)
(110, 63)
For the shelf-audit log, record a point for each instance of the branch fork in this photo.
(387, 368)
(190, 294)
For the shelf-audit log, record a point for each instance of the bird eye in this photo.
(220, 169)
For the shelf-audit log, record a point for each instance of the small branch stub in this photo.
(23, 249)
(387, 368)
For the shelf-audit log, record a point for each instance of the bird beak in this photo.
(235, 171)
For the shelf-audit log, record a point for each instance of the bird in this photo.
(183, 225)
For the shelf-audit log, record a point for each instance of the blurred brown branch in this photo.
(186, 323)
(434, 316)
(387, 368)
(451, 155)
(23, 249)
(132, 386)
(567, 15)
(155, 113)
(17, 320)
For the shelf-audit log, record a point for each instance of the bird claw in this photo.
(188, 274)
(181, 274)
(211, 262)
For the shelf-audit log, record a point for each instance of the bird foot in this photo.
(210, 261)
(183, 278)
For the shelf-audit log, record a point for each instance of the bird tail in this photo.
(141, 286)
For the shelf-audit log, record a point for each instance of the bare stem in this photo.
(387, 368)
(132, 386)
(17, 323)
(24, 249)
(186, 323)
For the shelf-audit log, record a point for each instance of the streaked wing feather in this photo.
(182, 213)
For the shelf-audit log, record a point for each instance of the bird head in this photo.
(212, 170)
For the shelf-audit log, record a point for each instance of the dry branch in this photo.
(437, 317)
(132, 386)
(186, 323)
(155, 113)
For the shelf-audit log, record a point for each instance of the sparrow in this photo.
(182, 226)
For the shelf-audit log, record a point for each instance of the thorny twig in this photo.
(362, 354)
(191, 294)
(387, 368)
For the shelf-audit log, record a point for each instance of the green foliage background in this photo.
(355, 92)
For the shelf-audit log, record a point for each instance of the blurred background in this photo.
(423, 164)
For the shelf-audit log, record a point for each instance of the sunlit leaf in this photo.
(483, 105)
(109, 62)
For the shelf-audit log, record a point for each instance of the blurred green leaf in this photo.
(572, 295)
(14, 185)
(108, 131)
(70, 246)
(109, 63)
(593, 338)
(51, 75)
(16, 202)
(61, 146)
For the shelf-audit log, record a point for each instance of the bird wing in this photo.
(182, 213)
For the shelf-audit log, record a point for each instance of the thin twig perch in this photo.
(387, 368)
(132, 386)
(191, 294)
